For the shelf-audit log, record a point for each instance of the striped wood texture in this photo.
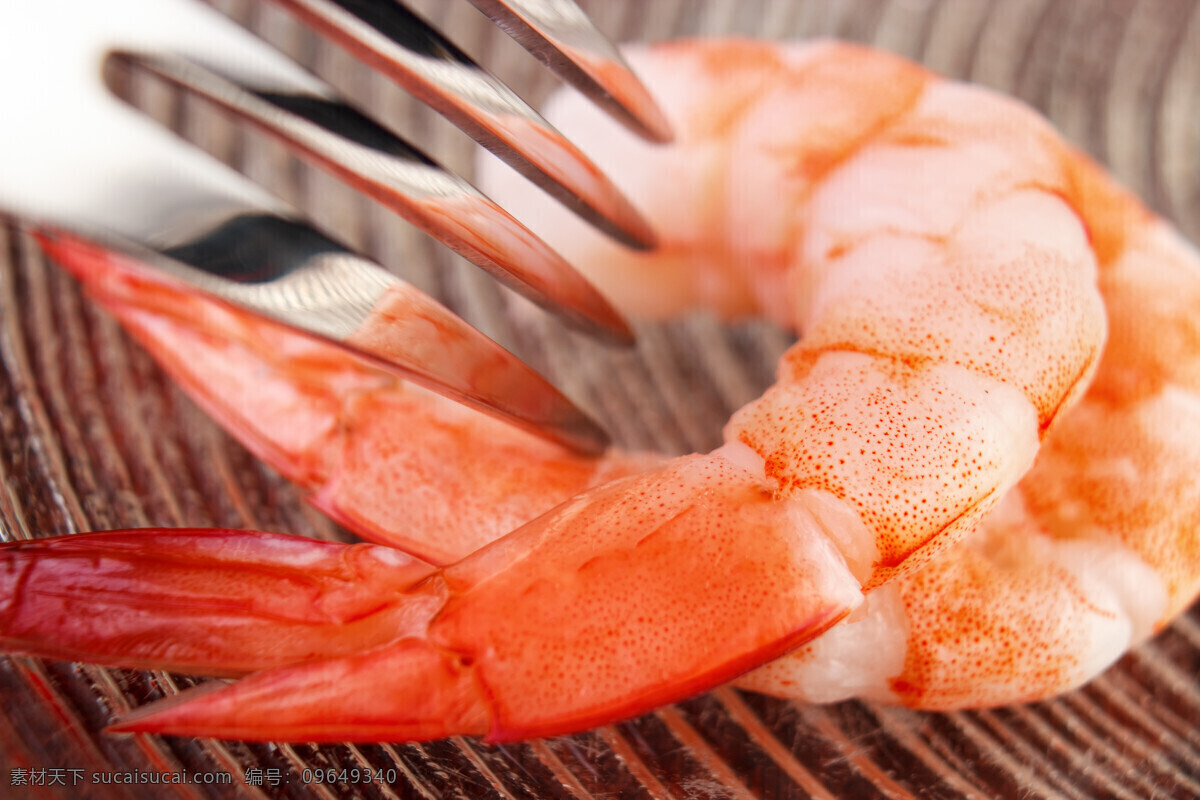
(95, 437)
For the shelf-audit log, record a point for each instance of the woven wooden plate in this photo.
(94, 436)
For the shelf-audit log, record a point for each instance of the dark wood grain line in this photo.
(997, 752)
(464, 745)
(70, 731)
(954, 35)
(1080, 761)
(1037, 761)
(636, 766)
(769, 744)
(702, 752)
(378, 789)
(559, 770)
(1149, 657)
(50, 736)
(1122, 690)
(414, 780)
(903, 727)
(33, 313)
(1145, 744)
(854, 754)
(127, 424)
(451, 770)
(1179, 143)
(688, 429)
(1189, 629)
(1171, 52)
(302, 757)
(1005, 43)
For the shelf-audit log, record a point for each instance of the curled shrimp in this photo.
(1096, 548)
(948, 262)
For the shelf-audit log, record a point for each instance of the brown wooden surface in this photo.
(95, 437)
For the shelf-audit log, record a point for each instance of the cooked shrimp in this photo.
(937, 247)
(1097, 546)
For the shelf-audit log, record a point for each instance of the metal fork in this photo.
(279, 266)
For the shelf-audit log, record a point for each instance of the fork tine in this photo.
(562, 37)
(374, 161)
(285, 270)
(399, 44)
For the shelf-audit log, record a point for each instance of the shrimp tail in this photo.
(285, 416)
(626, 598)
(374, 452)
(410, 690)
(210, 601)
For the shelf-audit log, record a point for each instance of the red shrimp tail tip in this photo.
(407, 691)
(211, 602)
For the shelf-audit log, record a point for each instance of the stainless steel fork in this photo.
(281, 267)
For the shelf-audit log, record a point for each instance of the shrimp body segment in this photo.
(1096, 548)
(937, 247)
